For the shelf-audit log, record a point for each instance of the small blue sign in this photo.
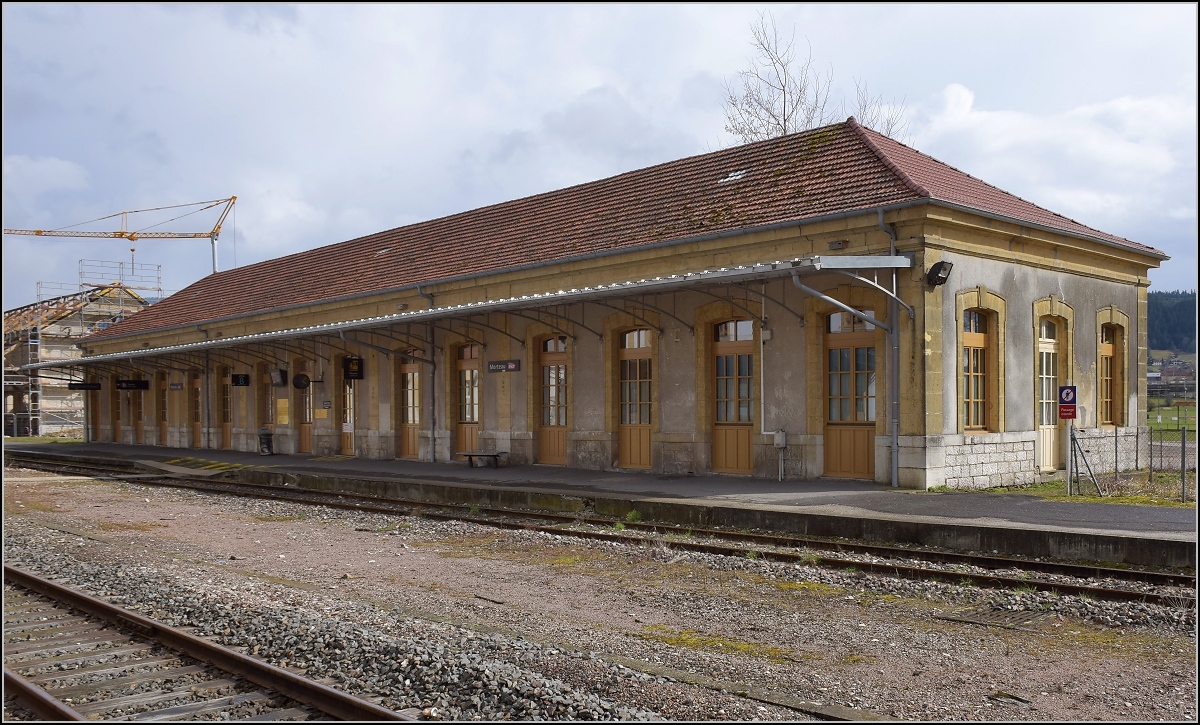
(1066, 402)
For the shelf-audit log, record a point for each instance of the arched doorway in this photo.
(114, 409)
(850, 396)
(635, 399)
(302, 383)
(226, 407)
(734, 369)
(552, 430)
(137, 406)
(164, 388)
(466, 433)
(1049, 438)
(408, 404)
(195, 408)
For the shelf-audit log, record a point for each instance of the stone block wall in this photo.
(990, 459)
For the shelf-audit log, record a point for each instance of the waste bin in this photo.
(264, 442)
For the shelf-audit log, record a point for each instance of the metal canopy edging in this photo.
(740, 273)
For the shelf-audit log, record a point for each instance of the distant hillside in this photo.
(1172, 321)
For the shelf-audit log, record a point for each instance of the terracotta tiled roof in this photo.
(828, 170)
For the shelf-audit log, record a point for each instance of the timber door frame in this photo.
(304, 407)
(851, 392)
(195, 409)
(137, 411)
(1049, 434)
(347, 406)
(468, 403)
(733, 392)
(554, 398)
(94, 410)
(225, 406)
(162, 406)
(114, 409)
(408, 407)
(635, 398)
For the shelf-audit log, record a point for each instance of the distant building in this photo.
(39, 402)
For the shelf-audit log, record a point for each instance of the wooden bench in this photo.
(472, 455)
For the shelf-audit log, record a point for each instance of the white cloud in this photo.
(1105, 164)
(26, 178)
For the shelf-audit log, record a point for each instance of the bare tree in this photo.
(781, 94)
(889, 119)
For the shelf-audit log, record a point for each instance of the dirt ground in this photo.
(742, 629)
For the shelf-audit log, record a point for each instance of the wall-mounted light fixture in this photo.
(939, 273)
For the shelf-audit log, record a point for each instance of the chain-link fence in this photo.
(1132, 462)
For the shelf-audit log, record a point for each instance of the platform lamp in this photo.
(939, 273)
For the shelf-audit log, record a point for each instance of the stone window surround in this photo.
(981, 298)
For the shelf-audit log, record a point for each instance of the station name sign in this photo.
(133, 385)
(83, 386)
(504, 366)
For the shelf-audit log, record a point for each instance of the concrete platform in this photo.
(1007, 523)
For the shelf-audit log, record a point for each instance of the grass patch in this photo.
(40, 439)
(860, 659)
(813, 587)
(633, 517)
(1134, 488)
(691, 639)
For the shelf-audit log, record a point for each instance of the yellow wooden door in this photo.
(163, 413)
(195, 409)
(137, 404)
(94, 410)
(467, 429)
(409, 405)
(1049, 449)
(114, 409)
(304, 414)
(635, 399)
(226, 408)
(347, 407)
(850, 397)
(552, 431)
(733, 398)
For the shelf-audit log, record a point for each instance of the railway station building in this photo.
(827, 303)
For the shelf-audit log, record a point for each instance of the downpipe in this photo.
(894, 339)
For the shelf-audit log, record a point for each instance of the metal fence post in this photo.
(1071, 451)
(1183, 463)
(1151, 432)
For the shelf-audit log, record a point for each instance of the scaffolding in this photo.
(48, 330)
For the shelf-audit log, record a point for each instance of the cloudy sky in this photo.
(330, 122)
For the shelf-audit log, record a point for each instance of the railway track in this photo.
(997, 571)
(71, 656)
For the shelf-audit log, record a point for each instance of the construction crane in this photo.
(133, 235)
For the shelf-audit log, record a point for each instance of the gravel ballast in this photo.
(468, 622)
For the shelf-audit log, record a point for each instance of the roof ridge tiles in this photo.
(861, 133)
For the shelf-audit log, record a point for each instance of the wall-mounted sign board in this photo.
(133, 385)
(240, 380)
(83, 386)
(504, 366)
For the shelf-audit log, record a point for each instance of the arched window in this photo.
(1112, 375)
(974, 369)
